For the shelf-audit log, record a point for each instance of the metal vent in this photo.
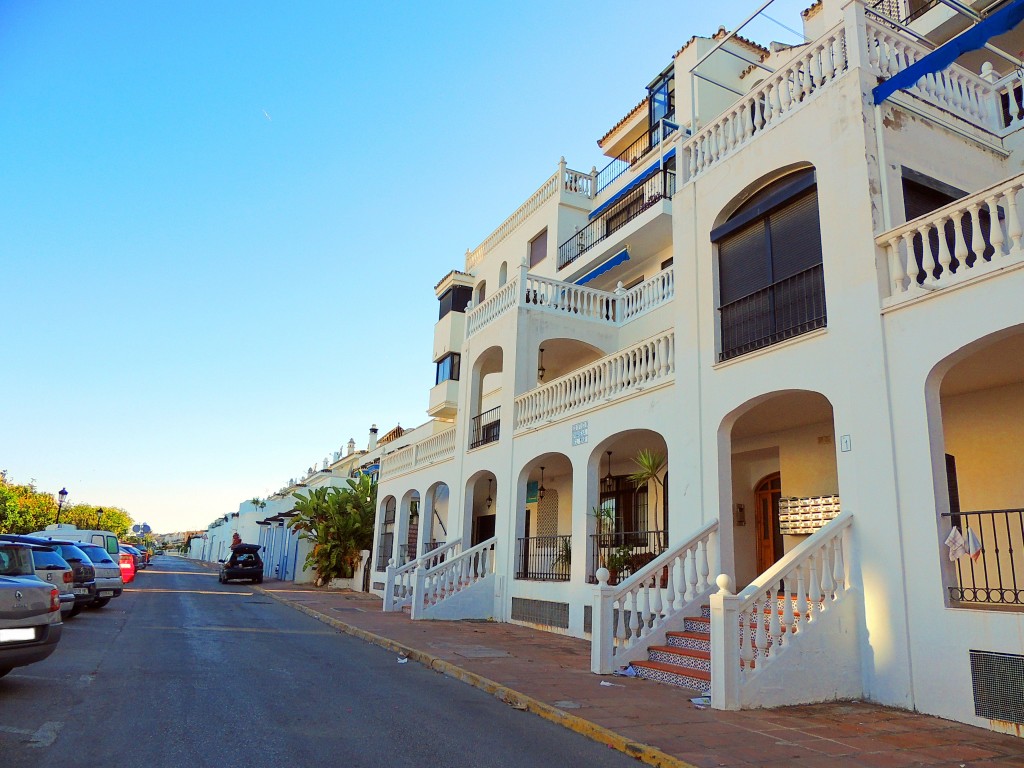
(542, 612)
(998, 683)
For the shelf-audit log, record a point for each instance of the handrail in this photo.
(398, 584)
(782, 603)
(433, 585)
(961, 239)
(628, 617)
(493, 307)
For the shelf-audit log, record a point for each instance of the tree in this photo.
(23, 509)
(339, 523)
(651, 466)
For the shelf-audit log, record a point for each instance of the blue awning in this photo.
(640, 179)
(613, 262)
(970, 40)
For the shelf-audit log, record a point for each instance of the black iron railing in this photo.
(430, 546)
(623, 553)
(634, 153)
(993, 572)
(387, 540)
(485, 428)
(660, 186)
(543, 558)
(784, 309)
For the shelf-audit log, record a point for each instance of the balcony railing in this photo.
(624, 553)
(485, 428)
(660, 186)
(439, 447)
(430, 546)
(647, 364)
(543, 558)
(993, 574)
(781, 311)
(980, 233)
(634, 153)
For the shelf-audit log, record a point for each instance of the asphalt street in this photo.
(184, 671)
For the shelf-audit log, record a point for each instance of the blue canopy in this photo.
(614, 261)
(969, 40)
(641, 177)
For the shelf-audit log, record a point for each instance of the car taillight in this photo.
(54, 600)
(69, 577)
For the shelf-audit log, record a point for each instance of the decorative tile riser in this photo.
(680, 660)
(696, 625)
(674, 678)
(705, 611)
(692, 643)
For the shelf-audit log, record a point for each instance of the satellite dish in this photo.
(136, 529)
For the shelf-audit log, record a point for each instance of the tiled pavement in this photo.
(555, 671)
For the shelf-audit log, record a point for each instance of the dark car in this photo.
(244, 563)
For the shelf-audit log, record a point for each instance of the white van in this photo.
(68, 532)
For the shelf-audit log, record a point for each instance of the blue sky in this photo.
(221, 222)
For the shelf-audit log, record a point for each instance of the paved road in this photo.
(183, 671)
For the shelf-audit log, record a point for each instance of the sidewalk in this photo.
(550, 675)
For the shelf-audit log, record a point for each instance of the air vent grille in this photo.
(998, 683)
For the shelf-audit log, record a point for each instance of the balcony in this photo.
(967, 240)
(434, 449)
(485, 428)
(646, 365)
(543, 558)
(444, 400)
(992, 575)
(542, 294)
(632, 155)
(624, 553)
(644, 192)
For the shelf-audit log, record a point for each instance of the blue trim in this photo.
(970, 40)
(613, 262)
(640, 179)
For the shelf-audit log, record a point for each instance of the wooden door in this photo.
(766, 518)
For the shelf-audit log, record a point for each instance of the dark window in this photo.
(666, 263)
(771, 282)
(455, 299)
(387, 535)
(538, 248)
(448, 368)
(660, 102)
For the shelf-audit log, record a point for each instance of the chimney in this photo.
(351, 446)
(373, 438)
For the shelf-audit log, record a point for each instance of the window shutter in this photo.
(538, 248)
(743, 264)
(796, 237)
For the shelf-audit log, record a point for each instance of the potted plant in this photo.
(563, 555)
(617, 563)
(604, 518)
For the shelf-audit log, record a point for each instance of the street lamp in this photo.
(99, 518)
(62, 496)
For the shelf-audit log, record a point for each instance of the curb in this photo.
(593, 731)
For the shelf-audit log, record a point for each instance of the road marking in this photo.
(198, 592)
(255, 630)
(46, 735)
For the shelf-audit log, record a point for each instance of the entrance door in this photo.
(769, 537)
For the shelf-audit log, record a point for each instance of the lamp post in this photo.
(62, 496)
(99, 518)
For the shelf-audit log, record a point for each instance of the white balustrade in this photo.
(398, 462)
(650, 294)
(969, 237)
(564, 178)
(492, 308)
(570, 299)
(1009, 101)
(754, 629)
(436, 583)
(439, 447)
(400, 582)
(954, 89)
(818, 64)
(648, 363)
(631, 616)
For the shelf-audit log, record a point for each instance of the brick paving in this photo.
(555, 670)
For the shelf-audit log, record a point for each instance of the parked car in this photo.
(50, 567)
(67, 532)
(109, 582)
(30, 624)
(128, 563)
(244, 563)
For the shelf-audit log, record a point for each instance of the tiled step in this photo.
(696, 641)
(681, 657)
(695, 679)
(697, 624)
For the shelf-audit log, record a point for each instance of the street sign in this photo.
(136, 528)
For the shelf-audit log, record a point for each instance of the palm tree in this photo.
(651, 466)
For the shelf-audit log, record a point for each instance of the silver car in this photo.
(108, 574)
(30, 625)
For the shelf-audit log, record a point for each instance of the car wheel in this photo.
(99, 602)
(258, 579)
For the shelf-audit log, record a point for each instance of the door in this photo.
(484, 528)
(766, 518)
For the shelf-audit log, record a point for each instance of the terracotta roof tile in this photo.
(815, 7)
(629, 115)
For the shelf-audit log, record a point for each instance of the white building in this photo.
(739, 291)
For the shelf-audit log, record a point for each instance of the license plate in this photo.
(81, 591)
(17, 635)
(106, 593)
